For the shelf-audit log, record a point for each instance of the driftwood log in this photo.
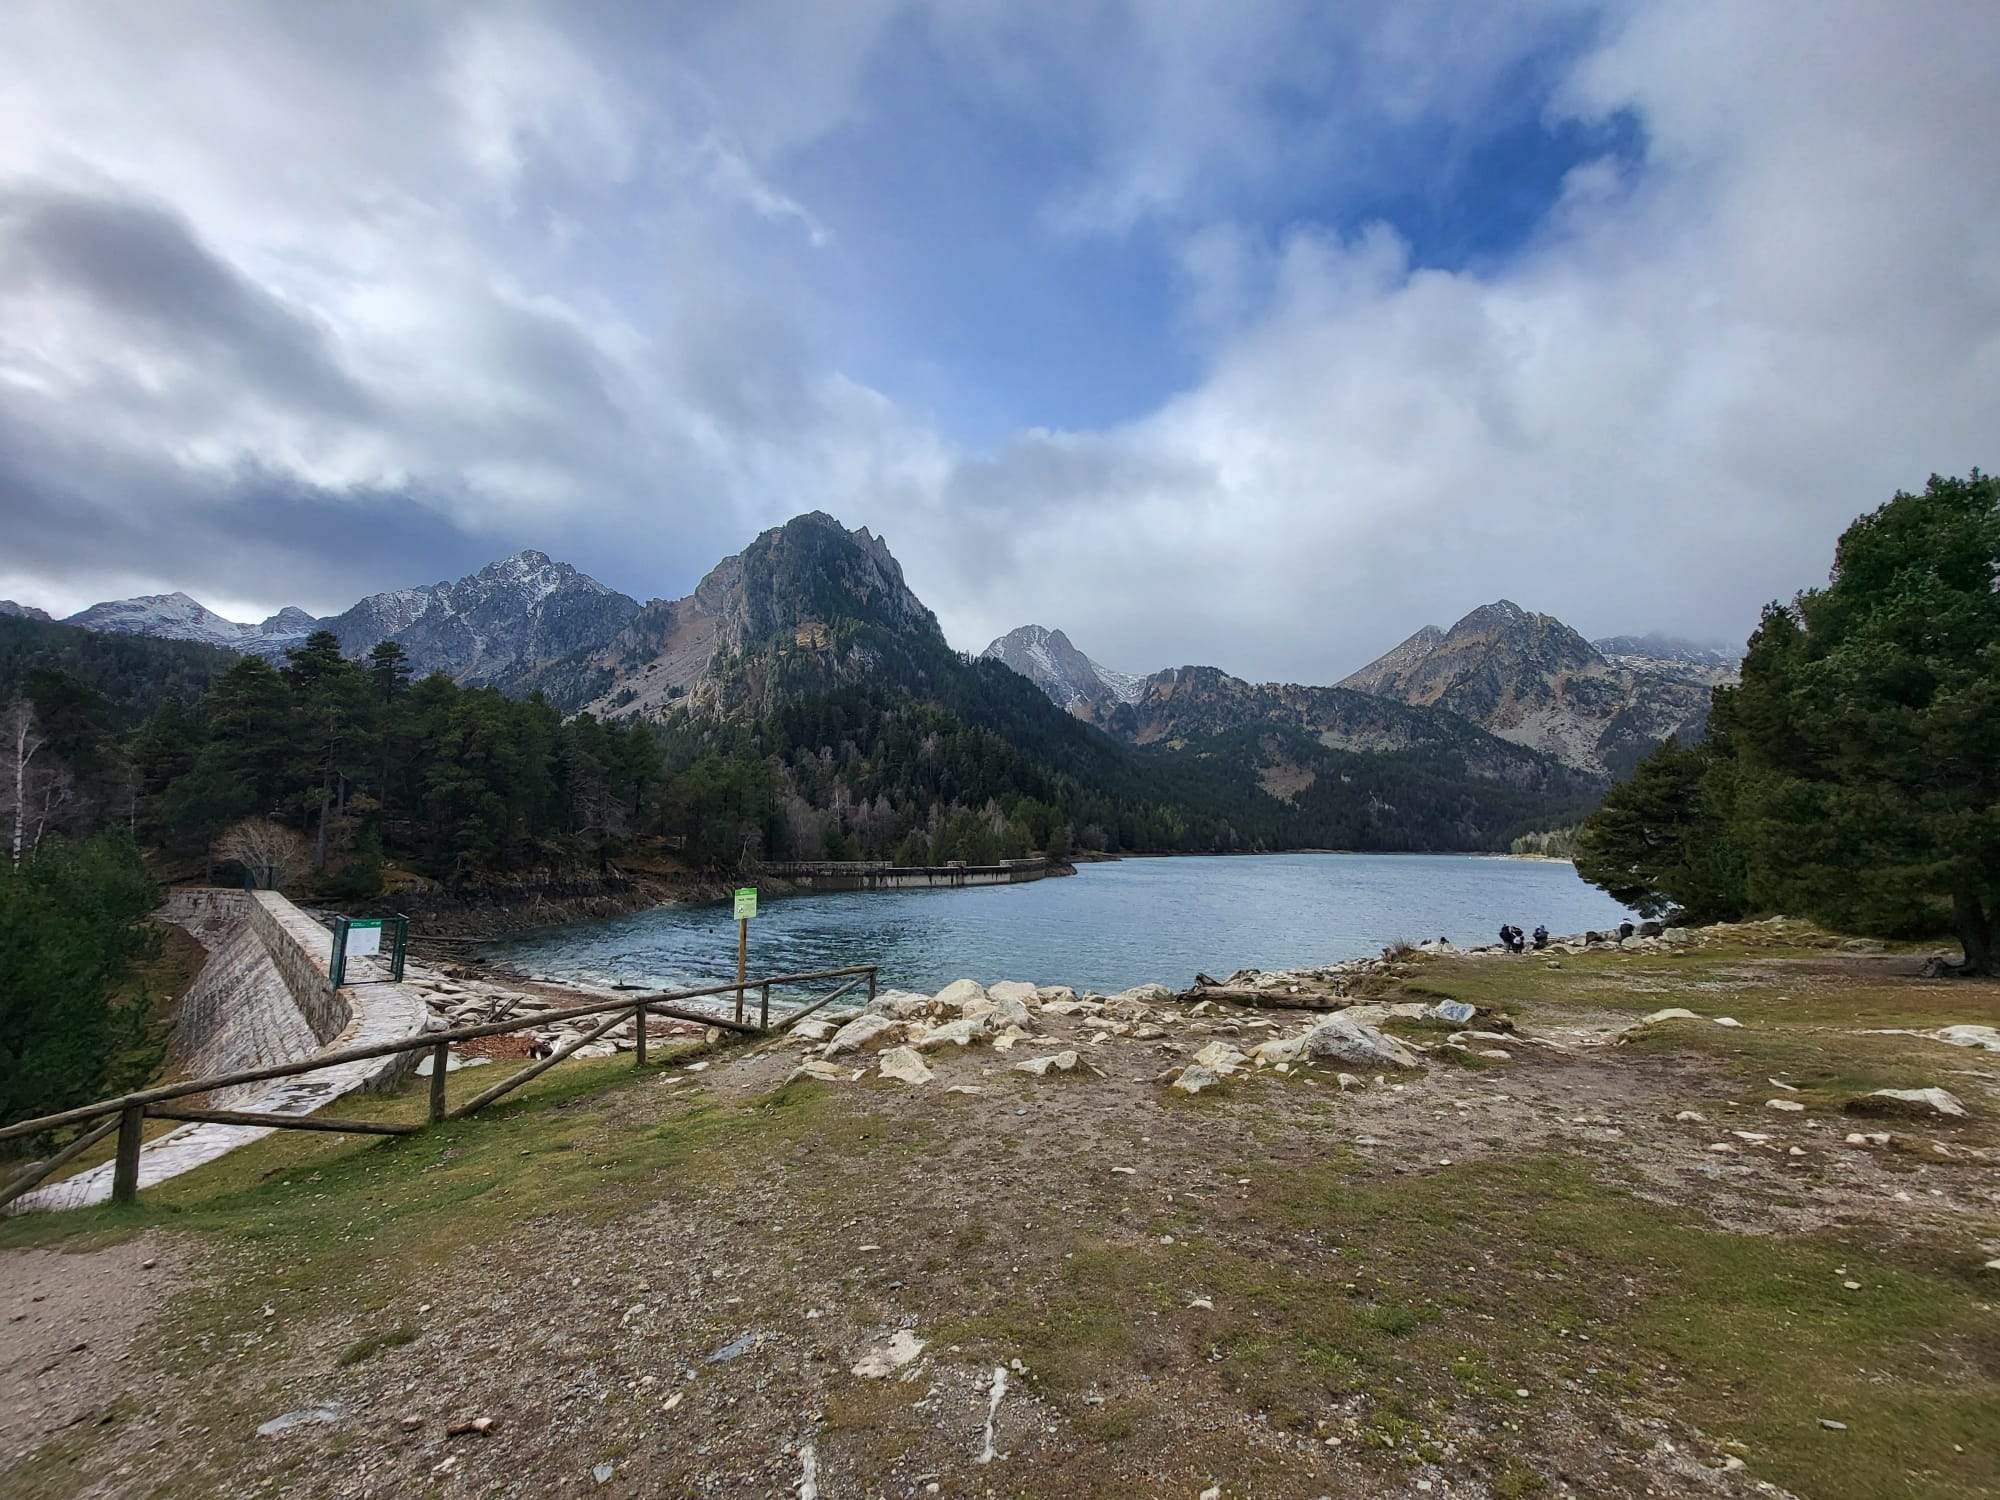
(1270, 999)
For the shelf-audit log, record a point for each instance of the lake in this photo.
(1108, 927)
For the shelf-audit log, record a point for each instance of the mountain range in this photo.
(494, 626)
(810, 640)
(1525, 678)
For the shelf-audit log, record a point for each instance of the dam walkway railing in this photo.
(127, 1114)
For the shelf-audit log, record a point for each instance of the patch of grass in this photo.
(375, 1343)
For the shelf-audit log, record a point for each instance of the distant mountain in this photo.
(1086, 688)
(494, 626)
(177, 617)
(811, 643)
(1671, 653)
(801, 592)
(21, 611)
(1531, 679)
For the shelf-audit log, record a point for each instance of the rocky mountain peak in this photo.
(22, 611)
(1072, 680)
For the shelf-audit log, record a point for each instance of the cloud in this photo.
(618, 282)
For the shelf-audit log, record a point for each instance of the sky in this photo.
(1256, 333)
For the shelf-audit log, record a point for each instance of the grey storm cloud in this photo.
(301, 302)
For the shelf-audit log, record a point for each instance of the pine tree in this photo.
(1868, 727)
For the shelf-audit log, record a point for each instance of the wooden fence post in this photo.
(131, 1136)
(764, 1008)
(639, 1035)
(440, 1056)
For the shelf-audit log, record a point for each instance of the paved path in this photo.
(381, 1013)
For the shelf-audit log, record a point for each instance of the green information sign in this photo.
(746, 903)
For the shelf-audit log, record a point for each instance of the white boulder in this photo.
(955, 997)
(1931, 1101)
(903, 1064)
(1061, 1062)
(862, 1031)
(1341, 1038)
(1194, 1078)
(960, 1033)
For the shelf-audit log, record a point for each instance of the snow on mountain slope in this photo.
(1072, 680)
(178, 617)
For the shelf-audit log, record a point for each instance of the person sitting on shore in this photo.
(1541, 937)
(1507, 937)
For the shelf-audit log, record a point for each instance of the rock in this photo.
(1970, 1036)
(1832, 1426)
(1869, 1138)
(1222, 1058)
(903, 1064)
(1048, 992)
(1672, 1013)
(1498, 1054)
(1789, 1106)
(1340, 1038)
(310, 1416)
(899, 1005)
(1281, 1052)
(1145, 994)
(965, 1088)
(602, 1473)
(1346, 1081)
(824, 1071)
(1061, 1062)
(813, 1029)
(959, 994)
(479, 1425)
(960, 1033)
(1933, 1102)
(863, 1030)
(1455, 1011)
(1194, 1078)
(1011, 989)
(887, 1358)
(1690, 1116)
(1727, 1021)
(736, 1348)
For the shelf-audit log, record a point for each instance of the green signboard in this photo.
(746, 903)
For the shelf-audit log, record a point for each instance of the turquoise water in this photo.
(1107, 928)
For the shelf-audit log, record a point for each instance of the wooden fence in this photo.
(128, 1113)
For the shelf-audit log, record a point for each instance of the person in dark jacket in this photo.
(1541, 937)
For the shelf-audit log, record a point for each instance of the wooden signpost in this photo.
(746, 908)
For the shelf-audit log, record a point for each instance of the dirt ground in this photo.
(1523, 1275)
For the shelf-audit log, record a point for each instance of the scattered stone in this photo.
(1931, 1102)
(964, 1088)
(1690, 1116)
(1728, 1021)
(862, 1030)
(736, 1348)
(602, 1473)
(309, 1416)
(813, 1029)
(1779, 1083)
(1789, 1106)
(961, 993)
(1346, 1081)
(905, 1066)
(1194, 1078)
(986, 1454)
(1868, 1138)
(887, 1358)
(479, 1425)
(1221, 1057)
(1455, 1011)
(1986, 1037)
(1341, 1038)
(1672, 1013)
(1062, 1062)
(825, 1071)
(961, 1033)
(1832, 1426)
(900, 1005)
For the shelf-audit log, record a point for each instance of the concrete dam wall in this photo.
(873, 875)
(264, 997)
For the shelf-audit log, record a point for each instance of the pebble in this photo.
(1832, 1426)
(602, 1473)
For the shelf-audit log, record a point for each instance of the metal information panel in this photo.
(746, 903)
(364, 937)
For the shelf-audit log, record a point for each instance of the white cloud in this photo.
(488, 278)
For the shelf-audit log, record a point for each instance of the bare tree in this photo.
(18, 723)
(273, 853)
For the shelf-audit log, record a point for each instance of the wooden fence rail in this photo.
(128, 1112)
